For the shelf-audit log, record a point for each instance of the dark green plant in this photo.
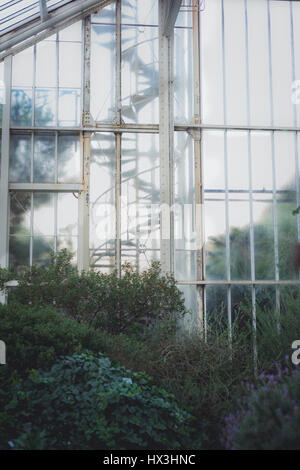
(83, 402)
(269, 417)
(127, 303)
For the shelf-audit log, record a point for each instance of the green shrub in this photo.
(83, 402)
(269, 418)
(127, 303)
(35, 336)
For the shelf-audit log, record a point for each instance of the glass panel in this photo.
(135, 12)
(69, 108)
(103, 57)
(43, 247)
(71, 33)
(216, 308)
(45, 107)
(20, 214)
(68, 159)
(21, 107)
(67, 215)
(264, 236)
(285, 161)
(211, 63)
(296, 16)
(241, 311)
(234, 17)
(265, 299)
(213, 160)
(185, 237)
(70, 244)
(44, 159)
(238, 164)
(20, 158)
(106, 14)
(214, 210)
(281, 63)
(287, 235)
(43, 214)
(190, 297)
(183, 75)
(102, 198)
(239, 218)
(259, 82)
(261, 156)
(19, 250)
(46, 67)
(22, 69)
(140, 83)
(70, 65)
(215, 240)
(140, 191)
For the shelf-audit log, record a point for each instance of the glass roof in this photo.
(15, 13)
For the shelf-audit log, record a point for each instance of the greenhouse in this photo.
(149, 213)
(154, 130)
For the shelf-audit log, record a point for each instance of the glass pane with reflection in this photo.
(263, 219)
(21, 107)
(67, 215)
(140, 87)
(20, 158)
(42, 249)
(44, 158)
(184, 211)
(102, 200)
(19, 253)
(43, 214)
(20, 213)
(140, 199)
(239, 220)
(216, 309)
(68, 159)
(103, 57)
(45, 107)
(69, 108)
(183, 75)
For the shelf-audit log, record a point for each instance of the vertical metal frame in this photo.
(84, 197)
(228, 270)
(4, 196)
(252, 244)
(275, 220)
(200, 321)
(166, 128)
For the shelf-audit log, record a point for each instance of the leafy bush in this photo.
(270, 416)
(130, 302)
(36, 336)
(83, 402)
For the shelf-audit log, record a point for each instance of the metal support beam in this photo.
(169, 15)
(118, 204)
(118, 94)
(198, 197)
(84, 198)
(4, 198)
(46, 187)
(43, 10)
(166, 128)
